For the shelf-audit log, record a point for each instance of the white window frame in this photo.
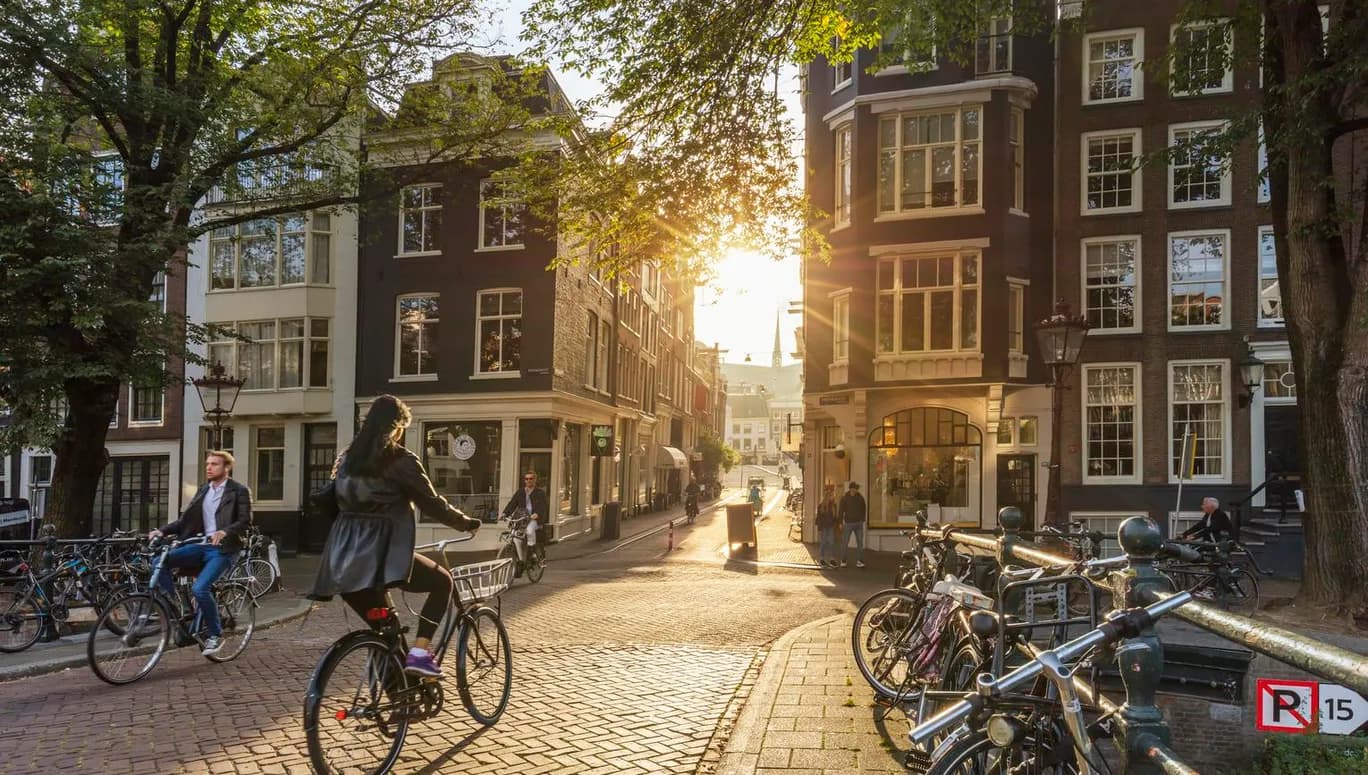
(133, 402)
(1228, 79)
(161, 273)
(1227, 456)
(1016, 317)
(476, 371)
(1008, 423)
(990, 35)
(1136, 322)
(1137, 178)
(233, 235)
(421, 376)
(840, 325)
(958, 287)
(898, 212)
(1138, 452)
(230, 347)
(257, 449)
(1016, 143)
(1137, 34)
(1197, 126)
(1224, 325)
(1100, 521)
(505, 203)
(1261, 320)
(1179, 521)
(109, 213)
(1264, 382)
(843, 190)
(1020, 440)
(422, 210)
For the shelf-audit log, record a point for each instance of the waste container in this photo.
(740, 525)
(612, 521)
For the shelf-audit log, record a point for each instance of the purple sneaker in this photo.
(424, 665)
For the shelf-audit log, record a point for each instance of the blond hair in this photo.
(223, 454)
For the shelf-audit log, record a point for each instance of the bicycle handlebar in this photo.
(1126, 624)
(442, 545)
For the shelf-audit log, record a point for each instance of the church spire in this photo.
(778, 354)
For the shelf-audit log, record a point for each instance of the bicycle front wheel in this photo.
(20, 621)
(257, 574)
(484, 666)
(237, 612)
(356, 710)
(1037, 753)
(1238, 592)
(882, 627)
(536, 564)
(128, 639)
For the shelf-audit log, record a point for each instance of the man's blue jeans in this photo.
(826, 538)
(212, 564)
(856, 529)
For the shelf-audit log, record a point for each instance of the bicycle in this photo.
(360, 702)
(134, 632)
(513, 546)
(33, 602)
(1039, 731)
(252, 567)
(1217, 577)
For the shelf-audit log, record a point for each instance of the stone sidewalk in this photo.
(811, 712)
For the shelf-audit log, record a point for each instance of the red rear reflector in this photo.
(377, 614)
(341, 715)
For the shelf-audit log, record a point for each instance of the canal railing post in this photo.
(1140, 660)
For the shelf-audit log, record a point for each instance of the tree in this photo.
(691, 82)
(716, 454)
(122, 117)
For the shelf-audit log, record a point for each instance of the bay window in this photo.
(268, 252)
(929, 161)
(928, 303)
(277, 354)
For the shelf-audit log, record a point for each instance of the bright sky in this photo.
(738, 311)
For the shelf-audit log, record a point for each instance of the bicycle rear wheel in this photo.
(20, 621)
(237, 611)
(1038, 752)
(1238, 592)
(257, 574)
(128, 639)
(484, 665)
(881, 629)
(355, 711)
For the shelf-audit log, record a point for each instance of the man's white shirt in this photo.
(212, 499)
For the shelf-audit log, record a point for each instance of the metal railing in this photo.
(1138, 583)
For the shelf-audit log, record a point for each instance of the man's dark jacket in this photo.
(1215, 526)
(852, 508)
(540, 505)
(233, 517)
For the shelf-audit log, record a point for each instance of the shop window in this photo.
(464, 461)
(924, 458)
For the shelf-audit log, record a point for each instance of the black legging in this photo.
(427, 576)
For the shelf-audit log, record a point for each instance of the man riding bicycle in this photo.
(691, 491)
(222, 510)
(533, 502)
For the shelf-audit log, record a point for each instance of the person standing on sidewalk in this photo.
(827, 522)
(852, 513)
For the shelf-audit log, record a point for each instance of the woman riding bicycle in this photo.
(376, 484)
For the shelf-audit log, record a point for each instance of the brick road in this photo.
(623, 663)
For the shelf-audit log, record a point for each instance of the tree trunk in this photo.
(81, 457)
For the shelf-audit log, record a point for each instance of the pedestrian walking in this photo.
(852, 511)
(827, 523)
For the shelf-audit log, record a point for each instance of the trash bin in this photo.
(740, 525)
(612, 521)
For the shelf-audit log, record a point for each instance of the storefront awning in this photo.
(670, 457)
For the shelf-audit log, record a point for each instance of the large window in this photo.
(1199, 275)
(146, 404)
(840, 326)
(1198, 174)
(994, 51)
(1016, 318)
(1108, 523)
(1110, 175)
(1270, 291)
(420, 219)
(158, 294)
(843, 181)
(928, 304)
(1202, 58)
(924, 458)
(269, 472)
(929, 160)
(416, 322)
(570, 470)
(501, 216)
(1016, 137)
(1113, 66)
(464, 461)
(498, 331)
(841, 74)
(277, 354)
(1112, 423)
(1198, 410)
(268, 252)
(1111, 290)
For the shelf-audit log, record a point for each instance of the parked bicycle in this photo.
(1219, 577)
(135, 630)
(252, 567)
(528, 561)
(32, 602)
(360, 702)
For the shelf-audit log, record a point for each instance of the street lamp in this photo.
(1061, 341)
(1252, 370)
(218, 393)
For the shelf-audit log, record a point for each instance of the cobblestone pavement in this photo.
(624, 662)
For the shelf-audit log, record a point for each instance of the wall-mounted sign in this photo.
(836, 400)
(601, 441)
(463, 447)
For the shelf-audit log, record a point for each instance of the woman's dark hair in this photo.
(374, 447)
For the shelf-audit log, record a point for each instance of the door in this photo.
(1016, 479)
(320, 451)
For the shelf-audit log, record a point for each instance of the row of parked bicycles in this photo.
(108, 590)
(981, 657)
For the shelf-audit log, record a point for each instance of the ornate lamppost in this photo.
(1061, 341)
(218, 394)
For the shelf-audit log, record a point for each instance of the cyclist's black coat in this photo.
(371, 544)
